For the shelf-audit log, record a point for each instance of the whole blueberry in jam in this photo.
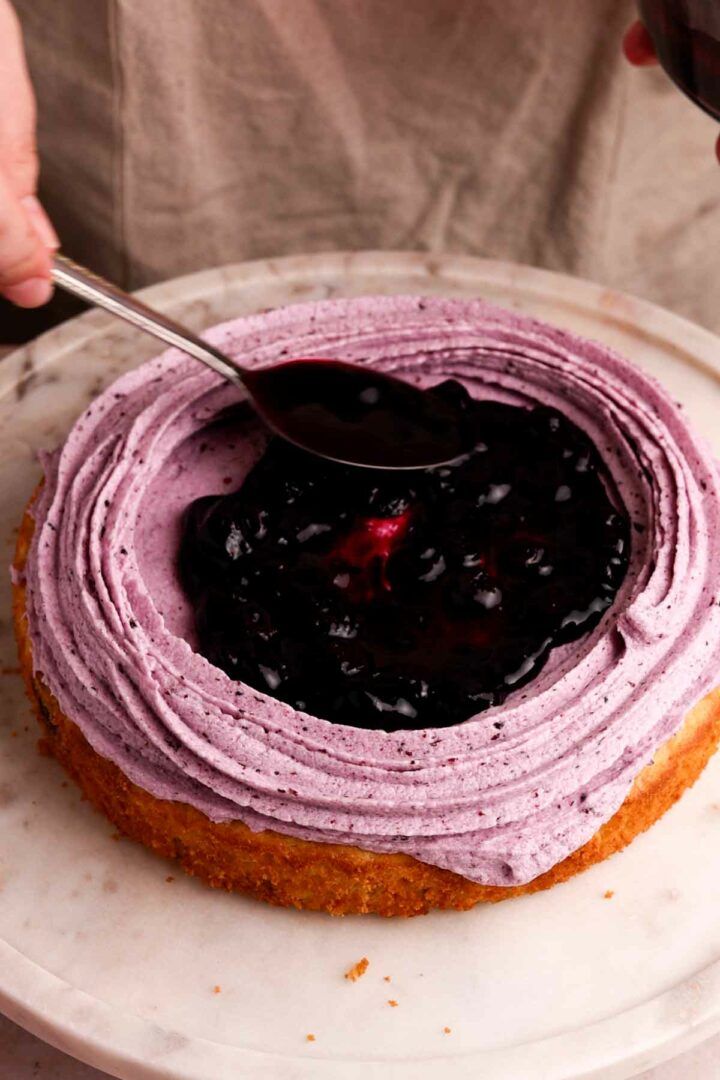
(408, 599)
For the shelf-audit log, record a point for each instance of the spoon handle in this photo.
(95, 290)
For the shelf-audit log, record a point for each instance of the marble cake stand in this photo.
(119, 959)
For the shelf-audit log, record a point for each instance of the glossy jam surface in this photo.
(355, 413)
(408, 600)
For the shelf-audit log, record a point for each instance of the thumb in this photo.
(24, 257)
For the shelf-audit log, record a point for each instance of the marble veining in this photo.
(90, 953)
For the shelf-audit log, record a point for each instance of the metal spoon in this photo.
(345, 412)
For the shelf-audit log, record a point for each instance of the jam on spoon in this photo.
(408, 599)
(358, 416)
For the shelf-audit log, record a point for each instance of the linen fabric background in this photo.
(180, 134)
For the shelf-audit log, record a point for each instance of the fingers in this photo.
(19, 162)
(24, 254)
(40, 222)
(638, 46)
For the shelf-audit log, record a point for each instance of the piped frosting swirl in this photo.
(112, 639)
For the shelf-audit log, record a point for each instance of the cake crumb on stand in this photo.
(357, 970)
(310, 1037)
(608, 894)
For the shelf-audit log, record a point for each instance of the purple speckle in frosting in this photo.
(592, 719)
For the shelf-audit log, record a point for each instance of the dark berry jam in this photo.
(355, 414)
(408, 600)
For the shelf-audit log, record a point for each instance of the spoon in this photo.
(337, 410)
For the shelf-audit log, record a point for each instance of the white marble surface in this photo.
(25, 1057)
(103, 956)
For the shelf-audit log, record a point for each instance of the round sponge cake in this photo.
(257, 794)
(336, 878)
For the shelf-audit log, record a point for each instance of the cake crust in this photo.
(339, 879)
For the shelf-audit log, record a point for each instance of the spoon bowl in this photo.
(357, 415)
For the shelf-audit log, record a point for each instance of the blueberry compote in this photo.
(408, 600)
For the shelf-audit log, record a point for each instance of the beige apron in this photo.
(179, 134)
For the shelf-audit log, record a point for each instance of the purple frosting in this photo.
(112, 638)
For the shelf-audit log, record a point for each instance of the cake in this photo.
(453, 722)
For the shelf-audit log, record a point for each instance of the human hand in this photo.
(27, 239)
(640, 51)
